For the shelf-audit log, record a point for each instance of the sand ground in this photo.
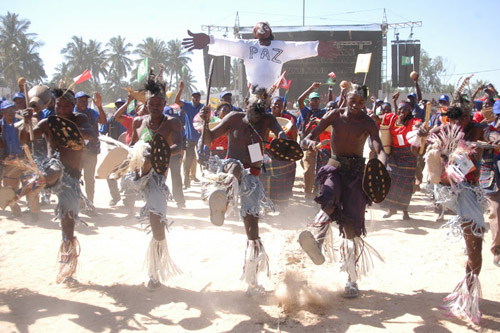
(402, 294)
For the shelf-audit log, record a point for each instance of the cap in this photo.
(478, 105)
(81, 94)
(496, 107)
(195, 93)
(6, 105)
(17, 95)
(444, 98)
(314, 94)
(412, 95)
(225, 93)
(378, 101)
(120, 100)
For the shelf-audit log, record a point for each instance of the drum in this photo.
(286, 125)
(386, 137)
(111, 161)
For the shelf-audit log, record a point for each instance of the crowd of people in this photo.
(248, 157)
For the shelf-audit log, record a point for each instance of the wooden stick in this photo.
(30, 125)
(426, 124)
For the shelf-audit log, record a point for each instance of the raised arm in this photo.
(98, 102)
(417, 88)
(178, 100)
(119, 113)
(306, 93)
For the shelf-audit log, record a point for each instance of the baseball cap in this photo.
(120, 100)
(17, 95)
(314, 94)
(6, 105)
(225, 93)
(195, 93)
(412, 95)
(81, 94)
(444, 98)
(496, 107)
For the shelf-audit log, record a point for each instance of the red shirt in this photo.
(399, 133)
(127, 123)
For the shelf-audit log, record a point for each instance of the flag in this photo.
(82, 77)
(285, 84)
(142, 70)
(363, 63)
(131, 107)
(405, 61)
(330, 81)
(278, 82)
(214, 102)
(332, 75)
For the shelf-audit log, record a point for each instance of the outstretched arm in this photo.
(196, 41)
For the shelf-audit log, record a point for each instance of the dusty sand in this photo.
(402, 294)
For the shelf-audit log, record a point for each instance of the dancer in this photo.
(62, 172)
(454, 169)
(342, 198)
(247, 134)
(150, 179)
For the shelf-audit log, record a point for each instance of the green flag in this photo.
(405, 61)
(330, 82)
(142, 70)
(131, 106)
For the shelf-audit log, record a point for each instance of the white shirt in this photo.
(263, 63)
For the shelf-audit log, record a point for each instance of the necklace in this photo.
(150, 124)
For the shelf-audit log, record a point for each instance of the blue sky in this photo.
(459, 31)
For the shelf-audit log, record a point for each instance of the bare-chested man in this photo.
(152, 185)
(67, 187)
(247, 134)
(342, 198)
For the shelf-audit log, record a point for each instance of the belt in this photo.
(356, 164)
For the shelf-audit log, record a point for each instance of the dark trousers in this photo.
(174, 168)
(189, 157)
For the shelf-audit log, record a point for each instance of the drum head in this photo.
(285, 150)
(160, 154)
(113, 159)
(376, 181)
(66, 133)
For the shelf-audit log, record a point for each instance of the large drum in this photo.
(286, 125)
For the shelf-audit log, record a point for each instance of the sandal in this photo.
(218, 206)
(310, 246)
(351, 290)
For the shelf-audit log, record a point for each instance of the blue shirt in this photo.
(112, 128)
(47, 113)
(417, 112)
(168, 111)
(190, 111)
(12, 146)
(305, 116)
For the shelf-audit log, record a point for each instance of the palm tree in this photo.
(189, 83)
(177, 60)
(18, 51)
(81, 56)
(61, 74)
(153, 49)
(117, 60)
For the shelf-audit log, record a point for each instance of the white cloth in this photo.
(263, 63)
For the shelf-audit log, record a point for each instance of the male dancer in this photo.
(247, 135)
(342, 198)
(152, 184)
(66, 161)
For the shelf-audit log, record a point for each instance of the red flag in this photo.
(82, 77)
(332, 75)
(285, 84)
(279, 81)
